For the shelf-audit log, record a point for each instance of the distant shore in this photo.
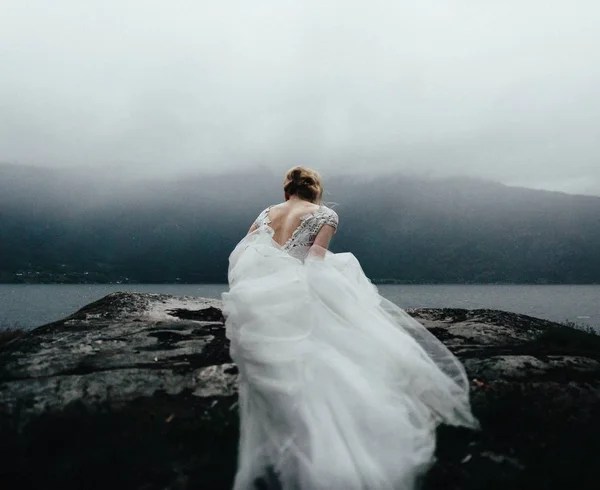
(381, 282)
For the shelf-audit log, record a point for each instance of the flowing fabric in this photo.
(339, 388)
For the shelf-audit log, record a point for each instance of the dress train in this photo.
(339, 388)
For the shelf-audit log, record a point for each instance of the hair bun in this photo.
(296, 176)
(303, 182)
(307, 180)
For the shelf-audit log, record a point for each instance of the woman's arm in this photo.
(321, 243)
(324, 236)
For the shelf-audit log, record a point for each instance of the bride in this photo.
(338, 388)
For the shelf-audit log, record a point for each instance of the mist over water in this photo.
(402, 229)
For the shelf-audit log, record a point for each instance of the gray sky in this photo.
(505, 90)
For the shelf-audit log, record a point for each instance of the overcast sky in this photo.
(507, 90)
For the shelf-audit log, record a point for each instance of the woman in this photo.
(339, 388)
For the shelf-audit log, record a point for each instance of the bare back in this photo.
(285, 218)
(297, 225)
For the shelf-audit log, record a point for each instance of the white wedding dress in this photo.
(338, 388)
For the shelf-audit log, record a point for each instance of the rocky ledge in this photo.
(137, 391)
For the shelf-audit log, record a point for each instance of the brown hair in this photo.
(304, 183)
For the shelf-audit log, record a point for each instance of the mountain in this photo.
(103, 226)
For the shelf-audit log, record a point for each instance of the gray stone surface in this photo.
(137, 391)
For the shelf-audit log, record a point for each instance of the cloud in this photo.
(499, 90)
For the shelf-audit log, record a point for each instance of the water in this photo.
(27, 306)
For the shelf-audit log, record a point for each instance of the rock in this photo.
(122, 394)
(137, 391)
(536, 391)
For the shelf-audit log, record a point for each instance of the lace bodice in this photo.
(303, 236)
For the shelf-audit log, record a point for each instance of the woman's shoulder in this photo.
(263, 217)
(329, 216)
(327, 210)
(322, 213)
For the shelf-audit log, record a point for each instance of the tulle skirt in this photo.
(338, 388)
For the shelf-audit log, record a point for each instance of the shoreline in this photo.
(377, 283)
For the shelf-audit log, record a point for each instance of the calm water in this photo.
(28, 306)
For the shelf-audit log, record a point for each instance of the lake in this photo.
(30, 305)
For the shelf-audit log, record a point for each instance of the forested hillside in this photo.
(64, 226)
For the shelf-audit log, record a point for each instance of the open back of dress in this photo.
(304, 235)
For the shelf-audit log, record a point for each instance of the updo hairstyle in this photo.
(304, 183)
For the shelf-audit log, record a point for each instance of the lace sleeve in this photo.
(263, 217)
(331, 218)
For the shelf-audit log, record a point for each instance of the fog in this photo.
(505, 91)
